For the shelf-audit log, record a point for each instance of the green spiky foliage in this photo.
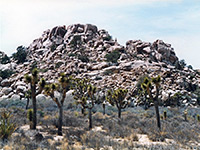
(198, 117)
(33, 80)
(28, 96)
(142, 94)
(148, 85)
(30, 115)
(6, 127)
(80, 89)
(85, 95)
(102, 99)
(62, 86)
(118, 98)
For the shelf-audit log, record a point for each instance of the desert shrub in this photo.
(108, 72)
(58, 64)
(182, 63)
(6, 127)
(71, 55)
(190, 66)
(5, 59)
(53, 47)
(95, 139)
(113, 56)
(141, 80)
(20, 55)
(83, 58)
(5, 73)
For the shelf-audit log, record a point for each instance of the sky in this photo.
(174, 21)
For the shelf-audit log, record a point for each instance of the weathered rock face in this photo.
(157, 51)
(80, 50)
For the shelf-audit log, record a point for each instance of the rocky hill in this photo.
(86, 51)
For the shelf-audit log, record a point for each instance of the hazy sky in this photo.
(175, 21)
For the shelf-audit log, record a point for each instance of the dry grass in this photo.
(109, 131)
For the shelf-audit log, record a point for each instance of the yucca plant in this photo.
(198, 117)
(33, 81)
(30, 117)
(6, 127)
(62, 86)
(148, 85)
(80, 89)
(118, 98)
(85, 95)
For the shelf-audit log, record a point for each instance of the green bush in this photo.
(113, 56)
(58, 64)
(71, 55)
(5, 73)
(6, 127)
(83, 58)
(5, 59)
(108, 72)
(20, 55)
(53, 47)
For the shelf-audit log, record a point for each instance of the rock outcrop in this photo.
(81, 49)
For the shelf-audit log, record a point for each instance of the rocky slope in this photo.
(81, 50)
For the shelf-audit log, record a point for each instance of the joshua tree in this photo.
(80, 88)
(148, 87)
(62, 87)
(101, 99)
(33, 81)
(84, 93)
(117, 97)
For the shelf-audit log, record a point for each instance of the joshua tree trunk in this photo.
(60, 120)
(157, 114)
(90, 118)
(83, 111)
(119, 112)
(27, 103)
(104, 109)
(34, 107)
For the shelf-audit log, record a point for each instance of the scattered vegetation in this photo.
(5, 59)
(62, 87)
(20, 55)
(33, 81)
(83, 58)
(53, 47)
(6, 127)
(113, 56)
(108, 72)
(117, 98)
(148, 87)
(85, 95)
(6, 73)
(30, 117)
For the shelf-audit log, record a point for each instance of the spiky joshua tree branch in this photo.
(33, 81)
(84, 94)
(117, 98)
(148, 85)
(62, 86)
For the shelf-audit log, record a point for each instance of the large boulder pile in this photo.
(157, 51)
(81, 50)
